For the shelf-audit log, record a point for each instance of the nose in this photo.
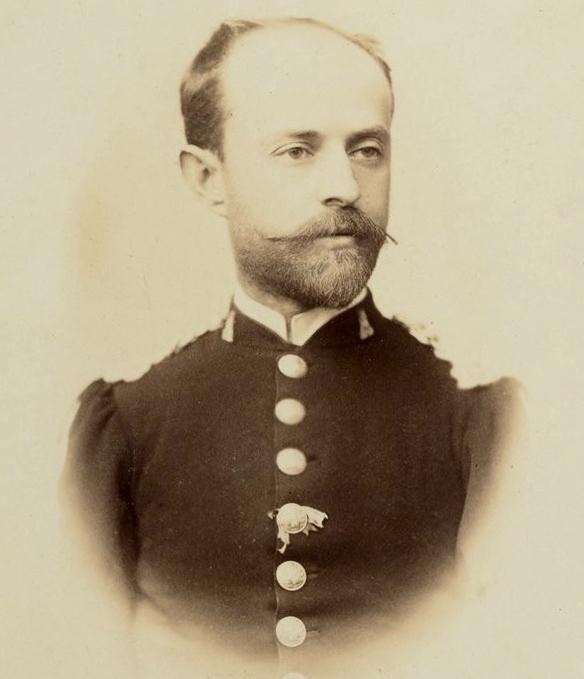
(338, 186)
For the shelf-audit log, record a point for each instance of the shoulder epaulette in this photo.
(418, 330)
(215, 323)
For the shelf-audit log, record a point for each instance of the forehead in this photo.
(302, 77)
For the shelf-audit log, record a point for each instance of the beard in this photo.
(298, 267)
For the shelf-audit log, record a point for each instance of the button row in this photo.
(292, 518)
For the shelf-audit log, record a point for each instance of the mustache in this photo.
(345, 221)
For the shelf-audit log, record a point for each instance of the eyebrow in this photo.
(302, 135)
(378, 132)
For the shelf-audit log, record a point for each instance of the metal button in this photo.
(291, 575)
(290, 411)
(292, 518)
(291, 461)
(292, 366)
(290, 631)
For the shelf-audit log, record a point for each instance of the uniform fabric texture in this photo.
(174, 476)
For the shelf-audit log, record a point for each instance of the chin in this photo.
(329, 278)
(336, 281)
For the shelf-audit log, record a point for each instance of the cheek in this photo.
(375, 191)
(266, 199)
(242, 192)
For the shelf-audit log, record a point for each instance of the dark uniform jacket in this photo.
(180, 477)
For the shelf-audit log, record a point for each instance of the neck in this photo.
(283, 305)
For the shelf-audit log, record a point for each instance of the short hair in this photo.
(200, 90)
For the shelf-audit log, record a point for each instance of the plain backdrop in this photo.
(108, 262)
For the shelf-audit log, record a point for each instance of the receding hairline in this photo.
(206, 71)
(364, 42)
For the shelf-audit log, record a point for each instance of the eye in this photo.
(370, 153)
(295, 152)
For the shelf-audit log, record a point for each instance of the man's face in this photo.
(306, 163)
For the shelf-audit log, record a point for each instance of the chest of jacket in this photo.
(377, 438)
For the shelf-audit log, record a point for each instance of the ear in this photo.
(203, 173)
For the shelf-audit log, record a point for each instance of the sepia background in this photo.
(108, 262)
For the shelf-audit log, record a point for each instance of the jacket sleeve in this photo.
(491, 424)
(96, 489)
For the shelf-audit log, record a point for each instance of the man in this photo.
(286, 484)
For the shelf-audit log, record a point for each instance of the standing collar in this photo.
(302, 326)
